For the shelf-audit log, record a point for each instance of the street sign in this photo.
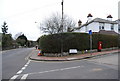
(90, 32)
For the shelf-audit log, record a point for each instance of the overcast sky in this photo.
(21, 15)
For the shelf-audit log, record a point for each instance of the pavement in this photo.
(34, 56)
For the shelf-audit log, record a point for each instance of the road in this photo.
(13, 60)
(16, 66)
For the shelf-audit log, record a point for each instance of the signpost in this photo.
(90, 33)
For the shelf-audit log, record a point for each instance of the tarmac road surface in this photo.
(13, 60)
(15, 66)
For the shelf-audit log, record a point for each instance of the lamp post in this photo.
(38, 24)
(62, 13)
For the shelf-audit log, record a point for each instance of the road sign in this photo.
(90, 32)
(73, 51)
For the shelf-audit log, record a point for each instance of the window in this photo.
(101, 26)
(112, 26)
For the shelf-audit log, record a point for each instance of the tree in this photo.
(22, 40)
(17, 35)
(53, 24)
(4, 28)
(7, 41)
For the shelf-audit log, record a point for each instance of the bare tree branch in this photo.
(53, 24)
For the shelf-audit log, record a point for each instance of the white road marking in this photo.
(70, 68)
(25, 65)
(28, 62)
(14, 77)
(23, 68)
(24, 76)
(54, 70)
(19, 72)
(50, 71)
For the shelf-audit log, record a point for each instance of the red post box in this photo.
(99, 46)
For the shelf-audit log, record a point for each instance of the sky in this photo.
(21, 15)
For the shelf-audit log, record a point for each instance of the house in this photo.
(99, 25)
(118, 21)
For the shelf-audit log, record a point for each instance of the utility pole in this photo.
(62, 11)
(62, 29)
(62, 15)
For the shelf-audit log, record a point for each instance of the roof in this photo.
(108, 32)
(118, 21)
(100, 21)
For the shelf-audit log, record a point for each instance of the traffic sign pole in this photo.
(90, 33)
(91, 44)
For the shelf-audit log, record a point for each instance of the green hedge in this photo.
(80, 41)
(107, 40)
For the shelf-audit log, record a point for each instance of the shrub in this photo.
(80, 41)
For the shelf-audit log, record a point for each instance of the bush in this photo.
(80, 41)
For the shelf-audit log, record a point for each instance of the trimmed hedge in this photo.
(107, 40)
(80, 41)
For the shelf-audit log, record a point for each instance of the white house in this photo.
(98, 25)
(118, 21)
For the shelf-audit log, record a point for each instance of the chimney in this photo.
(79, 23)
(89, 17)
(109, 17)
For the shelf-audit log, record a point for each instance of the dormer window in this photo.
(101, 26)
